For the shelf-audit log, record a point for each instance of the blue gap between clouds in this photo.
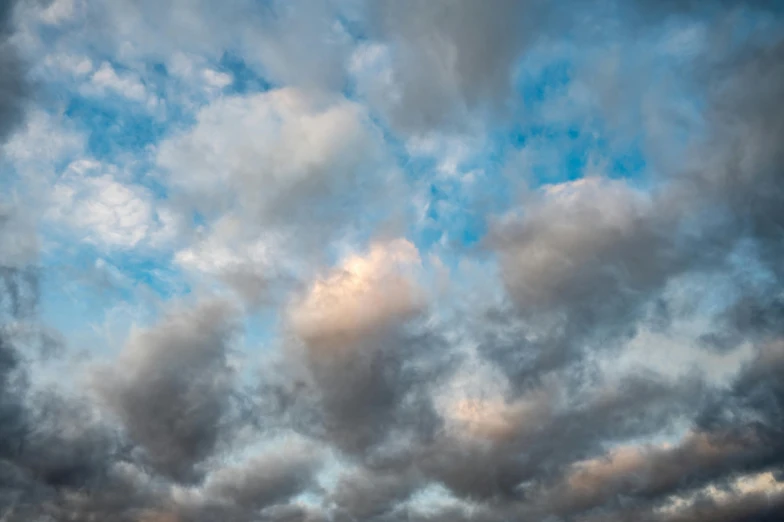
(573, 144)
(244, 79)
(73, 288)
(114, 126)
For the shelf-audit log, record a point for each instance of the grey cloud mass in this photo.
(13, 83)
(452, 59)
(171, 388)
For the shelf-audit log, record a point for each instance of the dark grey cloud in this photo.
(368, 494)
(269, 479)
(369, 391)
(736, 435)
(13, 84)
(172, 386)
(59, 458)
(47, 443)
(545, 445)
(738, 180)
(582, 268)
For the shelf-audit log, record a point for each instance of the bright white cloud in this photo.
(106, 79)
(363, 294)
(198, 80)
(95, 206)
(216, 79)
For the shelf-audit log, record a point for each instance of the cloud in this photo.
(755, 497)
(584, 260)
(13, 87)
(51, 442)
(171, 388)
(267, 479)
(18, 242)
(216, 79)
(291, 43)
(104, 210)
(270, 153)
(357, 391)
(59, 11)
(579, 240)
(350, 332)
(450, 61)
(41, 143)
(367, 493)
(364, 294)
(106, 79)
(278, 175)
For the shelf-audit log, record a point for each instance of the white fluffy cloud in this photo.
(100, 209)
(106, 79)
(278, 175)
(271, 152)
(44, 141)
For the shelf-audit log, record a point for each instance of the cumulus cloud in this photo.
(171, 388)
(270, 153)
(364, 294)
(584, 261)
(553, 257)
(278, 175)
(106, 80)
(104, 210)
(350, 333)
(268, 479)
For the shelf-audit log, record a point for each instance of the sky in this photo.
(391, 260)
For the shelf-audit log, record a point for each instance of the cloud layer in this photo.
(387, 261)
